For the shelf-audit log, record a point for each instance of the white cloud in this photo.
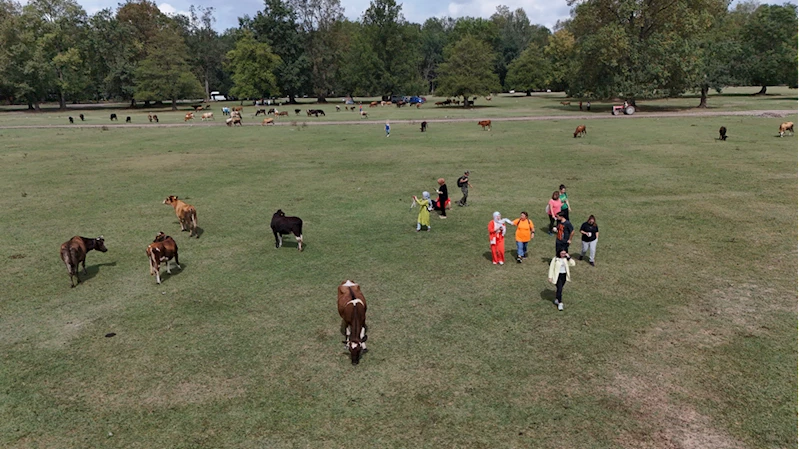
(170, 10)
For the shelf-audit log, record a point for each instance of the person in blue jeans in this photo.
(388, 129)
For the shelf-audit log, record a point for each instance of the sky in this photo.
(540, 12)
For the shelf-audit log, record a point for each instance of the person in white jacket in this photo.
(559, 274)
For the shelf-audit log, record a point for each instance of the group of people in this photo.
(426, 205)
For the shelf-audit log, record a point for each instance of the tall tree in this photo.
(530, 71)
(771, 45)
(277, 26)
(433, 39)
(165, 73)
(468, 69)
(11, 53)
(253, 65)
(205, 47)
(395, 42)
(358, 62)
(560, 53)
(317, 19)
(143, 22)
(515, 34)
(639, 48)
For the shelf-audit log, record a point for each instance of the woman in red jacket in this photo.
(496, 237)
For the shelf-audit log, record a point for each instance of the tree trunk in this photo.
(146, 103)
(321, 99)
(30, 106)
(174, 104)
(132, 102)
(62, 99)
(37, 106)
(292, 99)
(207, 90)
(762, 91)
(703, 97)
(529, 93)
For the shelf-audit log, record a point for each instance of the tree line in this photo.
(52, 50)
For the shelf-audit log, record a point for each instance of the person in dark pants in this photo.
(563, 238)
(559, 274)
(464, 184)
(443, 196)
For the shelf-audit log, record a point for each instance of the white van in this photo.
(215, 96)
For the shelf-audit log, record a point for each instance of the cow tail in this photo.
(194, 218)
(66, 256)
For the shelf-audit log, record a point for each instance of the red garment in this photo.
(498, 247)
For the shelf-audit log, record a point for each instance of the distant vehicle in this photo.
(216, 96)
(414, 100)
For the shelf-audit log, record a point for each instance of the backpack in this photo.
(461, 182)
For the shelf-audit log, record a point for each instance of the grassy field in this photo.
(684, 335)
(504, 105)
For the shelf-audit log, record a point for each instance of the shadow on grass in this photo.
(92, 270)
(547, 295)
(509, 255)
(175, 270)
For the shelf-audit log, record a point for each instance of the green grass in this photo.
(503, 105)
(685, 331)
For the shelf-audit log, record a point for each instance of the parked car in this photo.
(414, 100)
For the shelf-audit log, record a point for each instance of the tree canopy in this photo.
(468, 69)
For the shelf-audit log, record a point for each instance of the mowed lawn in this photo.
(684, 335)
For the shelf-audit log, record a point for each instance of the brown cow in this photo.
(198, 108)
(580, 131)
(373, 104)
(207, 116)
(485, 124)
(150, 117)
(186, 213)
(785, 127)
(162, 249)
(238, 109)
(352, 309)
(281, 113)
(364, 114)
(73, 252)
(189, 116)
(565, 103)
(268, 121)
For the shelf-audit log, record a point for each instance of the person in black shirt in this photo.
(564, 236)
(464, 184)
(443, 196)
(590, 232)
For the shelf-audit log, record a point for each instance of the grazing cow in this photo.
(207, 116)
(229, 122)
(114, 117)
(268, 121)
(424, 126)
(73, 252)
(364, 114)
(352, 309)
(723, 133)
(373, 104)
(580, 131)
(186, 213)
(283, 225)
(785, 127)
(488, 98)
(238, 109)
(237, 121)
(71, 120)
(297, 111)
(260, 111)
(198, 108)
(439, 103)
(226, 111)
(155, 117)
(281, 113)
(150, 117)
(189, 116)
(338, 109)
(162, 249)
(485, 124)
(565, 103)
(127, 119)
(81, 117)
(418, 105)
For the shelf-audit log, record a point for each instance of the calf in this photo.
(73, 252)
(207, 116)
(81, 117)
(785, 127)
(281, 113)
(127, 119)
(485, 124)
(268, 121)
(364, 114)
(283, 225)
(114, 117)
(580, 131)
(186, 213)
(155, 117)
(162, 249)
(352, 310)
(189, 116)
(150, 117)
(338, 109)
(260, 111)
(723, 133)
(424, 126)
(297, 111)
(71, 120)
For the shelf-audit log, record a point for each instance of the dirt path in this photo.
(289, 122)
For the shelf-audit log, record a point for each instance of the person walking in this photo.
(525, 231)
(590, 232)
(564, 235)
(388, 129)
(424, 212)
(565, 207)
(464, 184)
(553, 208)
(559, 274)
(496, 238)
(443, 197)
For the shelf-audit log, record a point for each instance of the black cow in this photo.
(81, 117)
(424, 126)
(127, 119)
(723, 133)
(71, 120)
(114, 117)
(283, 225)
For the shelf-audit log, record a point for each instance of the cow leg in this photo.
(183, 225)
(84, 267)
(299, 241)
(168, 270)
(278, 239)
(177, 264)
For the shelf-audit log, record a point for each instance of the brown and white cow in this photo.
(485, 124)
(785, 127)
(207, 116)
(186, 213)
(73, 252)
(189, 116)
(268, 121)
(580, 131)
(163, 249)
(352, 309)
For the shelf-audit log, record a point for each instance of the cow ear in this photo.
(100, 238)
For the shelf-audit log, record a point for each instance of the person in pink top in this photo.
(553, 207)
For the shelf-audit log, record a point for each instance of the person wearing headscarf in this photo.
(496, 238)
(424, 213)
